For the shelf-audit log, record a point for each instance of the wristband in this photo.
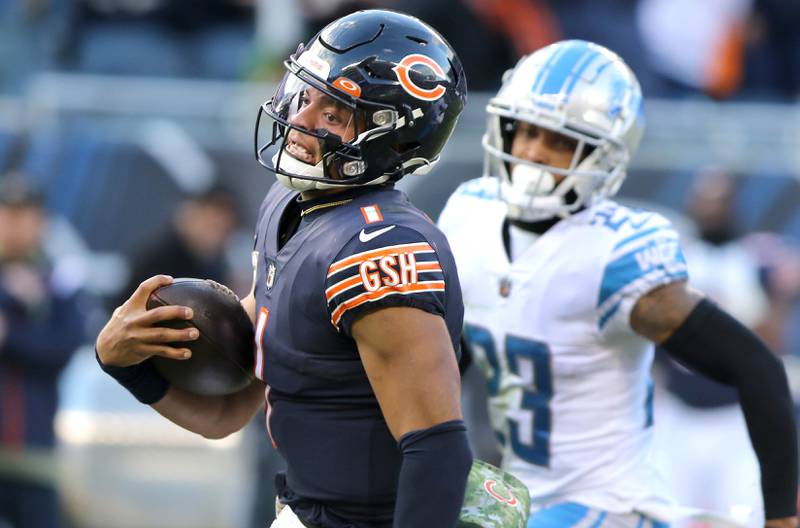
(142, 380)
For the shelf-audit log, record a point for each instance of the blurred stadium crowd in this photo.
(126, 126)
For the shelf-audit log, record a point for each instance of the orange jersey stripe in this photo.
(339, 287)
(428, 266)
(349, 282)
(337, 314)
(358, 258)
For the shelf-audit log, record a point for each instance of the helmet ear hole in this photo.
(508, 127)
(588, 150)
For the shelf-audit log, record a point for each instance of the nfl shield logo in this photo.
(270, 275)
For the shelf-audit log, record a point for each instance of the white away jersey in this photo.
(569, 381)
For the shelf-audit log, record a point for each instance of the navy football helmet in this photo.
(390, 89)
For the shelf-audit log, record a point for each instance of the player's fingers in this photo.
(164, 313)
(142, 293)
(159, 335)
(166, 351)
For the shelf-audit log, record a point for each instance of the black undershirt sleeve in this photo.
(716, 345)
(465, 360)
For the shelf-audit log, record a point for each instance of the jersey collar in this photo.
(320, 204)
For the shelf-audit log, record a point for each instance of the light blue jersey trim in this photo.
(608, 314)
(599, 520)
(480, 188)
(644, 261)
(640, 234)
(559, 516)
(575, 515)
(619, 274)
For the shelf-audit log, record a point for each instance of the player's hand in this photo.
(130, 336)
(786, 522)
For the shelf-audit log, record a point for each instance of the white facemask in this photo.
(530, 187)
(293, 165)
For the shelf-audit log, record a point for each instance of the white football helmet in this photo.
(578, 89)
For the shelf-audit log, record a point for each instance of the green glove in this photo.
(494, 499)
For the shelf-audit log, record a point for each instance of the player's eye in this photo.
(332, 118)
(532, 131)
(564, 143)
(302, 100)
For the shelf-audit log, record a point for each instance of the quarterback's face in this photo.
(543, 146)
(316, 111)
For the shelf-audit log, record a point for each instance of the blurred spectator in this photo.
(318, 13)
(701, 435)
(489, 35)
(696, 47)
(195, 243)
(163, 37)
(772, 60)
(281, 24)
(32, 33)
(41, 324)
(600, 22)
(779, 264)
(739, 48)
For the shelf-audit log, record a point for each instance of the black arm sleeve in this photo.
(716, 345)
(433, 477)
(465, 360)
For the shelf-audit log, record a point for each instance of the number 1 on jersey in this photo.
(529, 360)
(261, 326)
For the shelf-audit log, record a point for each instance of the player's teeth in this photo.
(299, 152)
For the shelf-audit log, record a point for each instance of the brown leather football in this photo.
(223, 354)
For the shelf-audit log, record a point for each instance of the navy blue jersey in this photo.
(353, 252)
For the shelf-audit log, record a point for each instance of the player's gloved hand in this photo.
(130, 336)
(786, 522)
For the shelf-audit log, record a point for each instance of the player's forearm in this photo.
(211, 416)
(785, 522)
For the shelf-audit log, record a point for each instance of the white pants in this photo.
(706, 457)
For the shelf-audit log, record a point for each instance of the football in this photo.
(222, 356)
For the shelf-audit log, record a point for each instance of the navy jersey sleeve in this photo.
(385, 265)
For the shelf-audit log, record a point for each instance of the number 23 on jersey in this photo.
(528, 362)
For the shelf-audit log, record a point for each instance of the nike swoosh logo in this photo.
(366, 237)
